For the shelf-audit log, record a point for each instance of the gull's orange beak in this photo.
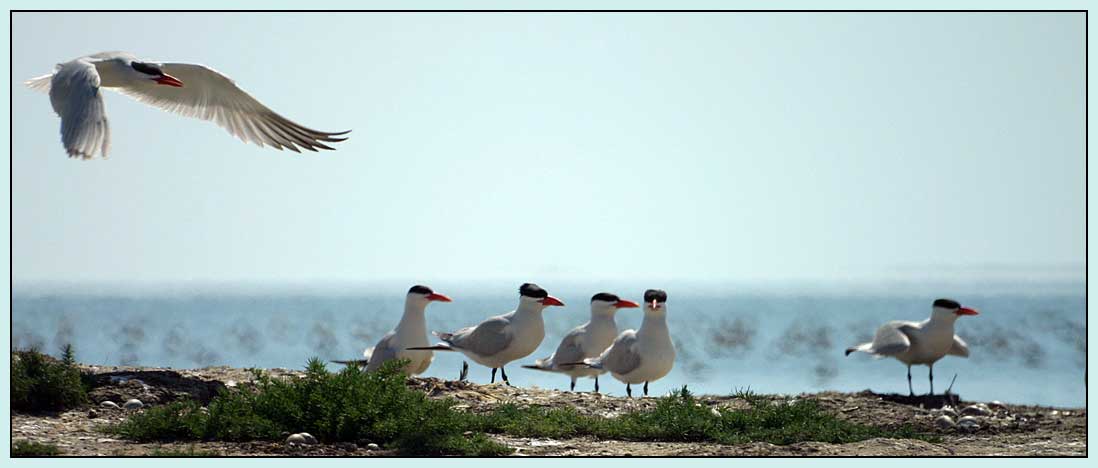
(438, 297)
(624, 304)
(967, 311)
(551, 301)
(168, 80)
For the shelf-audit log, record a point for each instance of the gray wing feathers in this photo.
(891, 339)
(382, 352)
(569, 350)
(621, 357)
(959, 348)
(75, 96)
(209, 95)
(486, 339)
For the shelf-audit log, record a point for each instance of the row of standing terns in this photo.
(633, 356)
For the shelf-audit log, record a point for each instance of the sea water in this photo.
(1028, 345)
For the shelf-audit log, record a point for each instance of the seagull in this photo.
(923, 342)
(411, 331)
(503, 338)
(641, 355)
(587, 340)
(187, 89)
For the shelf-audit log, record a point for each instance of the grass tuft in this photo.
(26, 448)
(354, 405)
(43, 383)
(190, 451)
(349, 405)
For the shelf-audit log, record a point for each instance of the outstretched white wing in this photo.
(75, 96)
(209, 95)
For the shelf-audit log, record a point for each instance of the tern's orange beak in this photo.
(624, 304)
(967, 311)
(438, 297)
(168, 80)
(551, 301)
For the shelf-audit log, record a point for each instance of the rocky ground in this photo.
(984, 429)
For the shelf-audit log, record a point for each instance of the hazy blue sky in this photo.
(530, 146)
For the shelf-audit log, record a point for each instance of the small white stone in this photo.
(133, 404)
(108, 404)
(969, 423)
(949, 411)
(372, 446)
(944, 422)
(996, 405)
(977, 410)
(296, 439)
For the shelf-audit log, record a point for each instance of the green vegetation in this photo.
(350, 405)
(354, 405)
(26, 448)
(679, 418)
(42, 383)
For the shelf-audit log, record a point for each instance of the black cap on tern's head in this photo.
(657, 295)
(428, 293)
(147, 68)
(950, 304)
(420, 289)
(605, 297)
(613, 300)
(533, 290)
(947, 303)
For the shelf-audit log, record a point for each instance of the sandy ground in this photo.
(1008, 430)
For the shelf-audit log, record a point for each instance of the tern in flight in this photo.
(187, 89)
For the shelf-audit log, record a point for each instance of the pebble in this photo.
(372, 447)
(92, 414)
(944, 422)
(108, 404)
(949, 411)
(133, 404)
(303, 438)
(978, 410)
(969, 423)
(996, 405)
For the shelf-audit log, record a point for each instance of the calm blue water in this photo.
(770, 342)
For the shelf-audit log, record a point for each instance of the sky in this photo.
(709, 147)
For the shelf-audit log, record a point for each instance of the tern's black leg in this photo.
(494, 375)
(932, 379)
(645, 388)
(629, 390)
(504, 373)
(910, 391)
(596, 384)
(464, 371)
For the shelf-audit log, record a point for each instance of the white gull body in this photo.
(585, 341)
(187, 89)
(641, 355)
(920, 343)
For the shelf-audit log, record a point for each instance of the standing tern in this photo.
(187, 89)
(641, 355)
(586, 341)
(411, 331)
(925, 342)
(503, 338)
